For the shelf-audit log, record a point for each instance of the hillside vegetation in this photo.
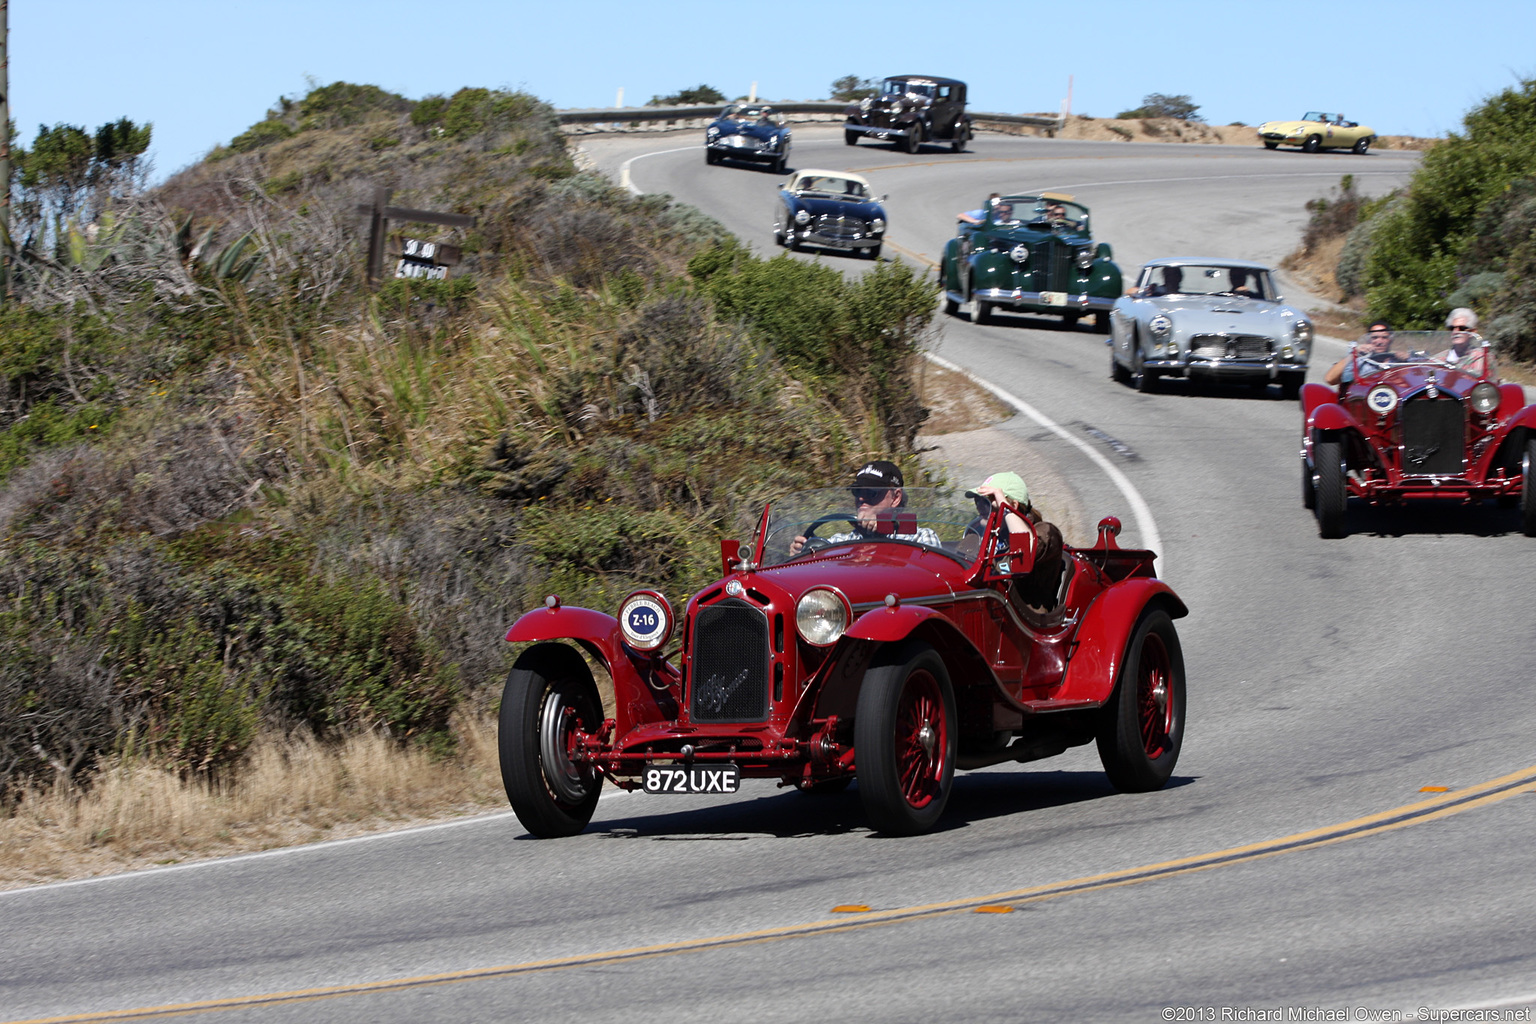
(1461, 234)
(243, 496)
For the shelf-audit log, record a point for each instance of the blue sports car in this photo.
(748, 131)
(832, 210)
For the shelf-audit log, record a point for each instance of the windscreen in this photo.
(936, 518)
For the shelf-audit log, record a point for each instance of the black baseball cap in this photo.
(1379, 325)
(878, 474)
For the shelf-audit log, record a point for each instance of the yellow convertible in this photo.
(1316, 131)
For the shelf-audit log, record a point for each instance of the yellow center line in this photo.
(1441, 805)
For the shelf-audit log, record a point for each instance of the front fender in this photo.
(636, 702)
(1099, 646)
(1331, 416)
(1314, 395)
(887, 625)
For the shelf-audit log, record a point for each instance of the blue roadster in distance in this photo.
(748, 131)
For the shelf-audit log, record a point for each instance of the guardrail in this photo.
(631, 118)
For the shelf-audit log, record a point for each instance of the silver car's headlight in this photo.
(822, 616)
(1084, 259)
(1301, 332)
(802, 217)
(1019, 253)
(876, 226)
(645, 620)
(1160, 326)
(1485, 398)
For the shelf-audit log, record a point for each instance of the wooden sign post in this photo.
(380, 213)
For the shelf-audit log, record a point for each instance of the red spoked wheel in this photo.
(1141, 728)
(1154, 697)
(904, 740)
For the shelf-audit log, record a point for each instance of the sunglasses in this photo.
(870, 495)
(1460, 328)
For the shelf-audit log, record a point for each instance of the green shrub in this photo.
(263, 133)
(1425, 247)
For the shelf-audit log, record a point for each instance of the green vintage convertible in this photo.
(1032, 254)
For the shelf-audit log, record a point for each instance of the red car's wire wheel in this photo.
(1155, 705)
(922, 740)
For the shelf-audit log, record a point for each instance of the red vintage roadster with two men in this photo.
(1410, 416)
(882, 634)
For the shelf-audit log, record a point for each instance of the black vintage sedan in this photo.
(829, 209)
(748, 131)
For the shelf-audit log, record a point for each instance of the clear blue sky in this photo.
(204, 70)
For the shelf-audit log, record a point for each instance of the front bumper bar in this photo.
(1041, 300)
(1225, 369)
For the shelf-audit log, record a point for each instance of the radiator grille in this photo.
(730, 664)
(1051, 262)
(1434, 436)
(849, 228)
(1229, 346)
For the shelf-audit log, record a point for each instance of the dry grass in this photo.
(293, 791)
(955, 403)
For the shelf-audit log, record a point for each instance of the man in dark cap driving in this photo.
(877, 491)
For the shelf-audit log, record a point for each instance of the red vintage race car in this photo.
(1417, 422)
(890, 652)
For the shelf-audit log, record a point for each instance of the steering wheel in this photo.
(815, 543)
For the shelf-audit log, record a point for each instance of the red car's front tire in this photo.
(1141, 730)
(548, 697)
(904, 740)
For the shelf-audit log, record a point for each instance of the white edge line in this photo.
(1145, 524)
(624, 167)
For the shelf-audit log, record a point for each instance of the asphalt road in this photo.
(1330, 684)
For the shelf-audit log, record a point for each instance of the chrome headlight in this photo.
(1301, 331)
(1084, 259)
(866, 103)
(822, 616)
(1484, 398)
(802, 217)
(1160, 326)
(712, 132)
(1019, 253)
(876, 226)
(645, 620)
(1381, 400)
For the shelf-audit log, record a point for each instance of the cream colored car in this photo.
(1317, 131)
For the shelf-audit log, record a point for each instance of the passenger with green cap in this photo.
(1038, 588)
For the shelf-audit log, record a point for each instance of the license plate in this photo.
(693, 778)
(1054, 298)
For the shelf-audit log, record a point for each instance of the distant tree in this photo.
(70, 172)
(700, 95)
(1155, 104)
(852, 87)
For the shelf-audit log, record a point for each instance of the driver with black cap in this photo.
(877, 492)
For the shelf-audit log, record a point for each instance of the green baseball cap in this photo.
(1012, 486)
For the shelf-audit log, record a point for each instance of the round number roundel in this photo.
(1381, 400)
(645, 621)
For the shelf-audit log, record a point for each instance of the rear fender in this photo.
(636, 702)
(1099, 647)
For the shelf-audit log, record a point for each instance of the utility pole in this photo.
(5, 151)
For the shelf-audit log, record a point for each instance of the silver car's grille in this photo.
(729, 681)
(1229, 346)
(1434, 436)
(840, 226)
